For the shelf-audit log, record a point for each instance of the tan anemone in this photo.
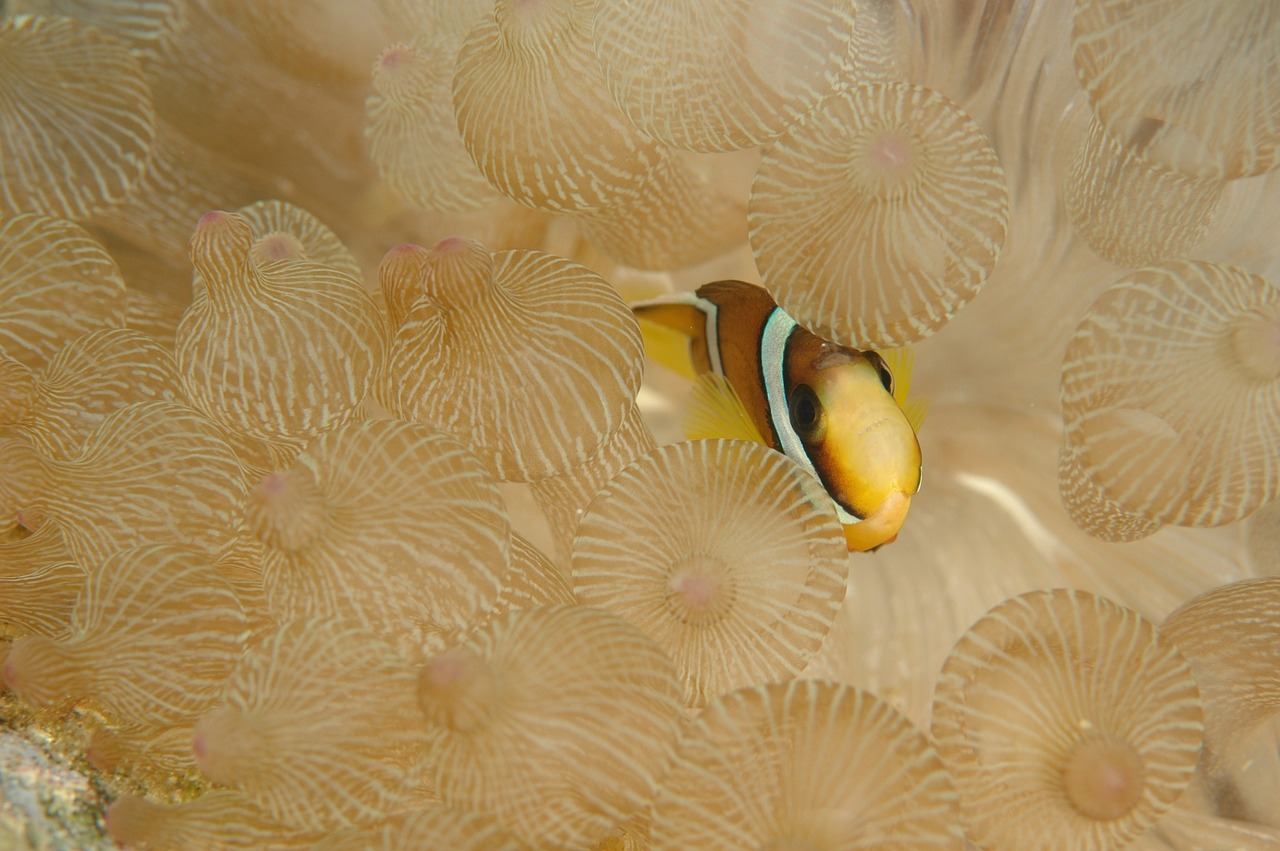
(1175, 426)
(1231, 637)
(804, 765)
(90, 378)
(220, 818)
(199, 89)
(317, 727)
(1064, 714)
(147, 232)
(329, 43)
(720, 76)
(565, 498)
(1210, 112)
(531, 580)
(281, 350)
(153, 636)
(878, 214)
(412, 134)
(434, 827)
(1132, 211)
(725, 552)
(76, 120)
(676, 217)
(388, 525)
(1263, 539)
(990, 526)
(152, 316)
(283, 231)
(555, 720)
(531, 359)
(56, 284)
(36, 600)
(153, 471)
(23, 550)
(533, 109)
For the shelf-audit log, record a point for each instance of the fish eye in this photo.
(806, 413)
(882, 368)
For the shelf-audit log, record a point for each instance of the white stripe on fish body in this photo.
(773, 348)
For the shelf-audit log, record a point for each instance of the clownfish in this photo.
(839, 412)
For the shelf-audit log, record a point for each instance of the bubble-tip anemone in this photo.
(555, 720)
(1213, 111)
(432, 827)
(1170, 394)
(413, 138)
(90, 378)
(726, 552)
(385, 524)
(274, 350)
(1231, 637)
(154, 634)
(318, 726)
(804, 765)
(152, 471)
(878, 214)
(1064, 714)
(1132, 211)
(531, 359)
(719, 76)
(220, 818)
(533, 109)
(56, 284)
(76, 117)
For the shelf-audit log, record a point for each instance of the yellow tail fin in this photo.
(667, 329)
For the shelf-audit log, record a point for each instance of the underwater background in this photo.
(339, 507)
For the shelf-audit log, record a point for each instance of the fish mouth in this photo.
(880, 526)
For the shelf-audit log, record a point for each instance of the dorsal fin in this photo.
(716, 410)
(901, 361)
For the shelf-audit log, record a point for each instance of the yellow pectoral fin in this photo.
(914, 409)
(668, 330)
(716, 410)
(901, 362)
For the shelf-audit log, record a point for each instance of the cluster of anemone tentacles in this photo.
(314, 537)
